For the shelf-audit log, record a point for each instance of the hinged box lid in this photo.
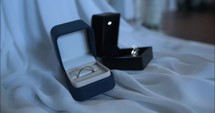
(73, 41)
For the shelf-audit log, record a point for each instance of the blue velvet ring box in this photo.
(75, 49)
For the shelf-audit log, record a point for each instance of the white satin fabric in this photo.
(180, 78)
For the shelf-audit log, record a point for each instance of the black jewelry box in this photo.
(74, 45)
(106, 28)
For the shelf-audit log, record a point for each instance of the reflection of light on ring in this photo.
(109, 23)
(135, 51)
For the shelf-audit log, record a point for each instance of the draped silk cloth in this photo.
(179, 79)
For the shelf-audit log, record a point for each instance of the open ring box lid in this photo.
(75, 48)
(107, 49)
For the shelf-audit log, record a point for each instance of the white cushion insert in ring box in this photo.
(75, 55)
(74, 49)
(74, 44)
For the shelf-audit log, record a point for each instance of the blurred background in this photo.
(187, 19)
